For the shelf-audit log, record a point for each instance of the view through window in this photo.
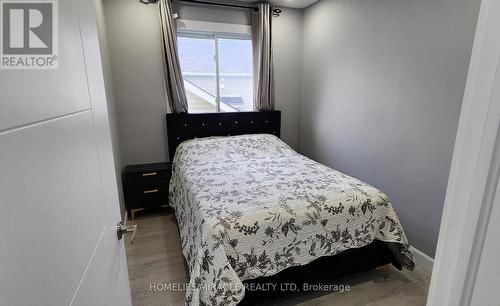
(217, 71)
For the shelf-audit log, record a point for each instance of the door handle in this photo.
(123, 228)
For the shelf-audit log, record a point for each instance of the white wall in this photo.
(136, 58)
(382, 88)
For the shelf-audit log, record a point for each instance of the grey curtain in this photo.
(176, 93)
(263, 58)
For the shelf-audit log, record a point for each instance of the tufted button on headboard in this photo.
(182, 127)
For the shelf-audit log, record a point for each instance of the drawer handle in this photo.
(149, 174)
(151, 191)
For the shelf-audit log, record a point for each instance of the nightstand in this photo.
(146, 186)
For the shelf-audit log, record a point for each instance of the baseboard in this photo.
(423, 260)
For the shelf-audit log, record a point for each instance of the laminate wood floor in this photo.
(156, 258)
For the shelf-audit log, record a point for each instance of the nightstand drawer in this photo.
(149, 175)
(149, 195)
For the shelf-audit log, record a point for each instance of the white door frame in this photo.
(475, 170)
(99, 104)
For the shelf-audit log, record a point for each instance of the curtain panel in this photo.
(174, 83)
(263, 58)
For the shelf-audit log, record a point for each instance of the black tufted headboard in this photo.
(181, 127)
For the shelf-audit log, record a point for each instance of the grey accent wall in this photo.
(136, 58)
(287, 40)
(137, 63)
(110, 97)
(212, 13)
(383, 83)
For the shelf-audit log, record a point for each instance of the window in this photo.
(217, 71)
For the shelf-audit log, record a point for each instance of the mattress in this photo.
(250, 206)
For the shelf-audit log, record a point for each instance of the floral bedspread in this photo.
(250, 206)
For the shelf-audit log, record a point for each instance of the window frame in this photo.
(215, 31)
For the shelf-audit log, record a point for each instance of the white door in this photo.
(58, 194)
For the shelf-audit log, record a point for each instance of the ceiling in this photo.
(288, 3)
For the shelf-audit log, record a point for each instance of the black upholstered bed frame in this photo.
(181, 127)
(324, 270)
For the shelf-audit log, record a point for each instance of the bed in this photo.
(251, 211)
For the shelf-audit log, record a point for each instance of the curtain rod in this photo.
(276, 11)
(222, 4)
